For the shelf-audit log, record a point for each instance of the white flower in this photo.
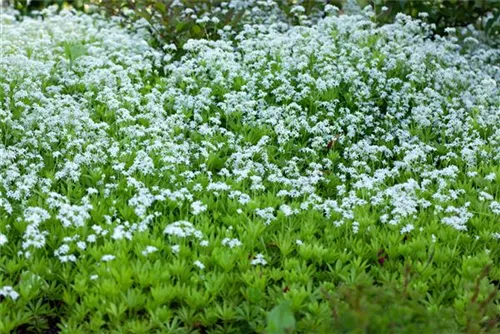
(218, 186)
(199, 264)
(118, 232)
(8, 291)
(331, 9)
(490, 177)
(182, 229)
(232, 243)
(149, 250)
(485, 196)
(287, 211)
(3, 239)
(297, 9)
(142, 163)
(63, 249)
(459, 219)
(355, 227)
(204, 19)
(107, 258)
(495, 207)
(175, 249)
(258, 259)
(407, 229)
(94, 277)
(299, 242)
(267, 214)
(197, 208)
(35, 215)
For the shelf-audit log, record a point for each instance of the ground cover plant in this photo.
(340, 176)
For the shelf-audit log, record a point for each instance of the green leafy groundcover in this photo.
(341, 177)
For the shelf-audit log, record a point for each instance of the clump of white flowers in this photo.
(259, 259)
(407, 228)
(266, 214)
(459, 218)
(149, 250)
(182, 229)
(231, 243)
(199, 264)
(198, 207)
(8, 291)
(3, 239)
(490, 177)
(107, 258)
(495, 207)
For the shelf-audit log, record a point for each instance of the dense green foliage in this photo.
(445, 13)
(27, 6)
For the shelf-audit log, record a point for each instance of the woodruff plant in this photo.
(341, 175)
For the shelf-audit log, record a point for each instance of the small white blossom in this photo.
(198, 207)
(258, 259)
(199, 264)
(495, 207)
(287, 211)
(490, 177)
(182, 229)
(297, 9)
(107, 258)
(8, 291)
(266, 214)
(3, 239)
(407, 229)
(232, 243)
(149, 250)
(355, 227)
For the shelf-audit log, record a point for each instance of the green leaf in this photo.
(280, 319)
(160, 6)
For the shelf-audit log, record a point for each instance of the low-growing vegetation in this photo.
(336, 176)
